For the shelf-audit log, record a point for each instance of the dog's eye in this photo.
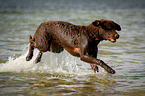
(109, 28)
(109, 33)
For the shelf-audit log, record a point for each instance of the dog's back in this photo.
(61, 32)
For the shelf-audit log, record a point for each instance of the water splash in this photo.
(51, 63)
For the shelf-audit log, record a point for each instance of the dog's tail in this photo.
(31, 39)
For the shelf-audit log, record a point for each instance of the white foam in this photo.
(51, 63)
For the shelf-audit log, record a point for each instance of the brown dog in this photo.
(78, 40)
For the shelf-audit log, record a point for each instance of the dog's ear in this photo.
(96, 23)
(117, 26)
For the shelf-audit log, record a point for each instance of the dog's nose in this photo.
(116, 36)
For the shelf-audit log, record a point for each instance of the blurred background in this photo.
(64, 74)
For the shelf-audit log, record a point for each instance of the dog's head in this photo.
(107, 29)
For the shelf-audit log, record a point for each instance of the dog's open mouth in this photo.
(112, 40)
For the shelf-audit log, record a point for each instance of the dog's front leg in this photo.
(84, 56)
(97, 62)
(89, 59)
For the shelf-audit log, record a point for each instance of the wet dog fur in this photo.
(78, 40)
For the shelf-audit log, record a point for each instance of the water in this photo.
(63, 74)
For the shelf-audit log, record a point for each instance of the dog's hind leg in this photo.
(38, 59)
(30, 54)
(31, 49)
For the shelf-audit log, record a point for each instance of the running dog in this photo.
(79, 40)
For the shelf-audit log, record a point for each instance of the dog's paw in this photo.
(111, 71)
(95, 68)
(28, 58)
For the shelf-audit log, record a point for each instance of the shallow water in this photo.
(63, 74)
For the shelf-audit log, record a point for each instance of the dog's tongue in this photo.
(112, 40)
